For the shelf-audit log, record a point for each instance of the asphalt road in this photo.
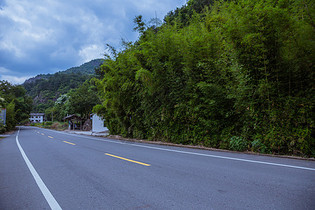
(43, 169)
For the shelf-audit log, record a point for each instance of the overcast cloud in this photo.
(46, 36)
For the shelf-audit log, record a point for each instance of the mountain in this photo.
(85, 69)
(45, 89)
(38, 77)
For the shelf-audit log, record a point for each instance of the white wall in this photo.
(98, 124)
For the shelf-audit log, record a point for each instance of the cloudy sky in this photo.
(46, 36)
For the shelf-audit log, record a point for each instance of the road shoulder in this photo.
(120, 138)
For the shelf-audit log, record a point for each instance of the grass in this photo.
(52, 125)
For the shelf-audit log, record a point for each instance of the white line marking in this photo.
(229, 158)
(47, 194)
(194, 153)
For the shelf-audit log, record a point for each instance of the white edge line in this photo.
(45, 191)
(193, 153)
(229, 158)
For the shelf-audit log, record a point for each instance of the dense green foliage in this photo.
(83, 99)
(46, 89)
(17, 104)
(182, 16)
(78, 101)
(235, 75)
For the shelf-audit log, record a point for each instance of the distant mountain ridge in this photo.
(38, 77)
(45, 89)
(85, 69)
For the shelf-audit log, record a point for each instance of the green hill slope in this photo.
(86, 68)
(46, 88)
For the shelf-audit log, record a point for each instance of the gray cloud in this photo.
(44, 36)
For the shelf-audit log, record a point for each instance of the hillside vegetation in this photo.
(46, 89)
(225, 74)
(18, 105)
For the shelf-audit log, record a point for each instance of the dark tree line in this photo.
(18, 105)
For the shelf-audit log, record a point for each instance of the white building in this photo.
(98, 124)
(37, 117)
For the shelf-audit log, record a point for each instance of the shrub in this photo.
(48, 123)
(59, 126)
(258, 146)
(237, 143)
(55, 125)
(24, 122)
(2, 128)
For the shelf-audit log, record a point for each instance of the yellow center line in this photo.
(50, 137)
(68, 142)
(145, 164)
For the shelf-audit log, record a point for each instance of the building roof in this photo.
(71, 117)
(37, 114)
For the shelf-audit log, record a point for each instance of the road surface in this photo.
(46, 169)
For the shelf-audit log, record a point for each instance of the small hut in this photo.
(75, 122)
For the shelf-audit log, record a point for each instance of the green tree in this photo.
(236, 70)
(140, 25)
(83, 99)
(15, 99)
(10, 116)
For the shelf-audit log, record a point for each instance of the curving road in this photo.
(46, 169)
